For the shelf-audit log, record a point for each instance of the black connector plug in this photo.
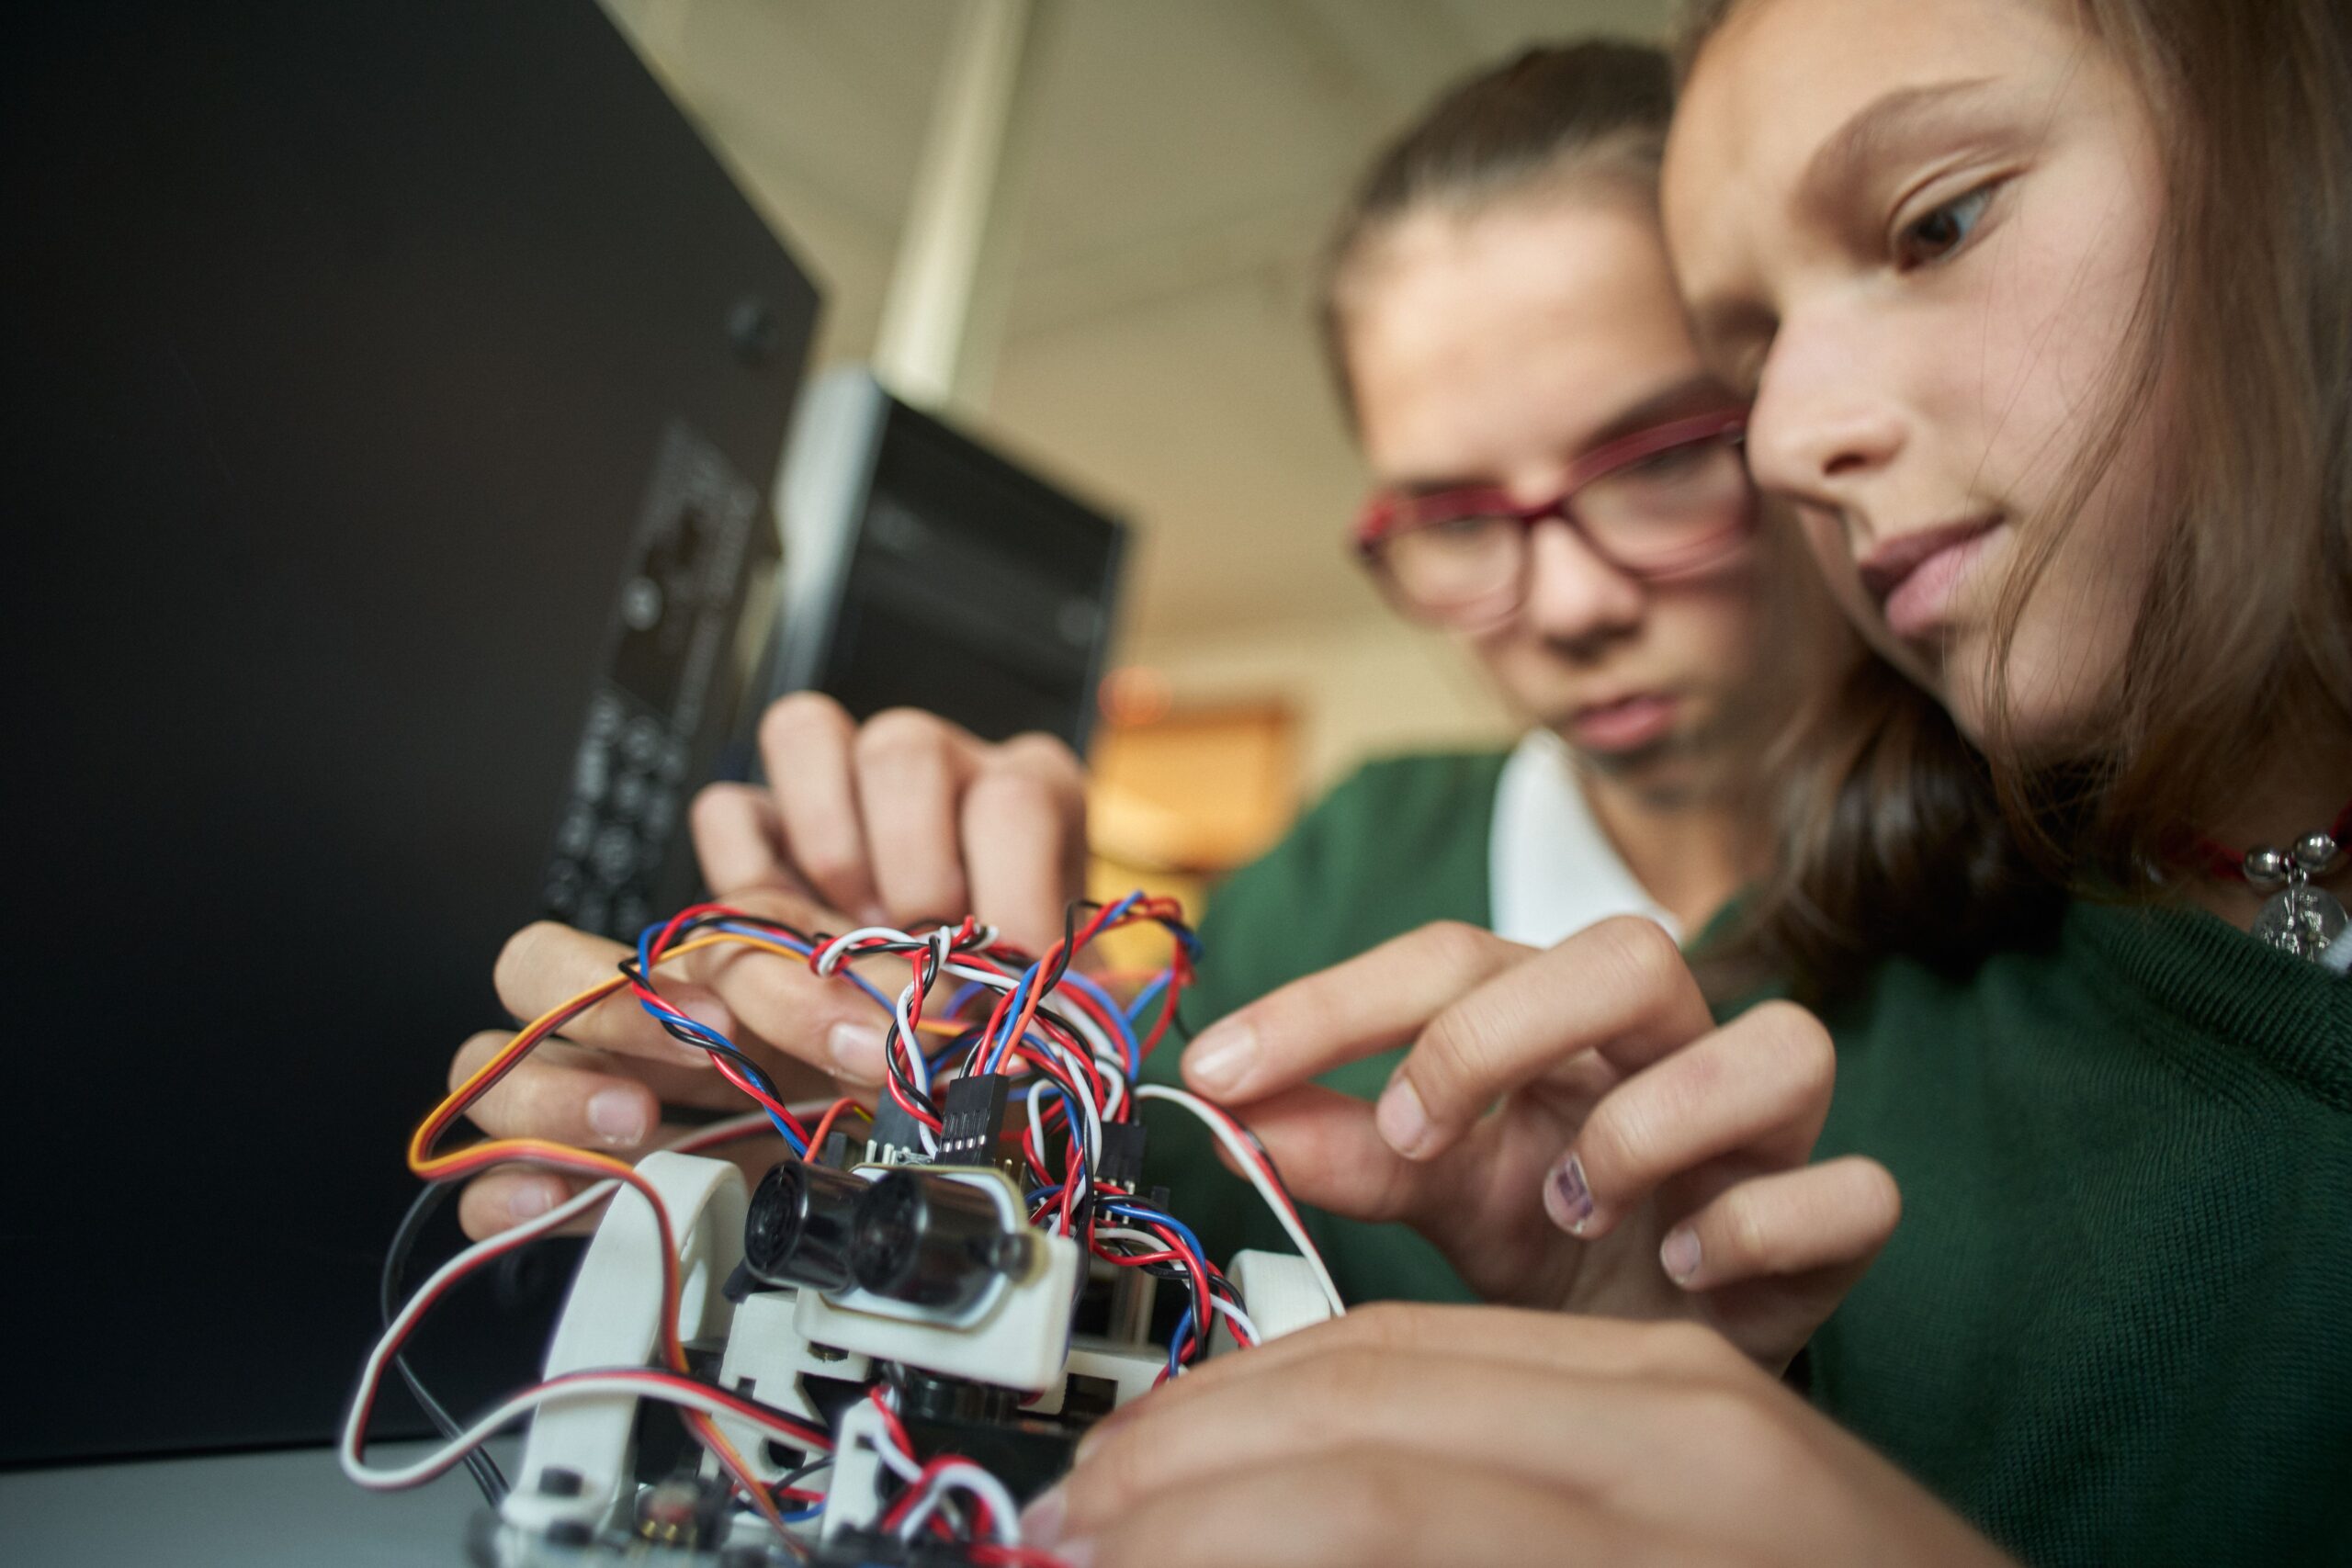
(972, 1118)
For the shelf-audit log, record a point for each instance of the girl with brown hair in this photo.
(2045, 308)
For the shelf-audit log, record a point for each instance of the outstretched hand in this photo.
(1408, 1436)
(1569, 1127)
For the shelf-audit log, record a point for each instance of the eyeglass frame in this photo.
(1388, 514)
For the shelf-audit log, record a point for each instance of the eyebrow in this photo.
(1691, 395)
(1906, 113)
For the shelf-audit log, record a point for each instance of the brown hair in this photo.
(1896, 835)
(1562, 112)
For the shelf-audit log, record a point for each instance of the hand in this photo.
(908, 820)
(603, 1082)
(1588, 1081)
(1409, 1436)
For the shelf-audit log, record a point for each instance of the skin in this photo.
(1494, 349)
(1927, 323)
(1412, 1434)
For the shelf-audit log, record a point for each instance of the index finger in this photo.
(1378, 999)
(1619, 990)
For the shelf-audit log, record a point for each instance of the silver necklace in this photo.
(2299, 917)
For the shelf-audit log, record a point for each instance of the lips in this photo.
(1622, 724)
(1915, 577)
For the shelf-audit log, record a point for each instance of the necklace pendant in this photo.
(2300, 919)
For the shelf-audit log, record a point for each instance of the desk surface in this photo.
(289, 1510)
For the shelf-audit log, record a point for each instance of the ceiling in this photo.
(1158, 352)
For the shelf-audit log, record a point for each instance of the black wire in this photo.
(479, 1464)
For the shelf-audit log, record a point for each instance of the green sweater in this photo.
(2111, 1327)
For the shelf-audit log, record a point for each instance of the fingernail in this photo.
(1220, 1056)
(874, 914)
(1041, 1521)
(530, 1200)
(1567, 1197)
(1680, 1254)
(1076, 1553)
(1402, 1118)
(857, 1051)
(617, 1115)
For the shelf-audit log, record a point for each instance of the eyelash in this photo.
(1973, 203)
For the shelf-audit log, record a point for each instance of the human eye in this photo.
(1935, 236)
(1675, 462)
(1463, 529)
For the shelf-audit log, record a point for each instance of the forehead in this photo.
(1480, 343)
(1780, 79)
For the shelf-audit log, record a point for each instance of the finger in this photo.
(505, 1196)
(738, 839)
(911, 769)
(807, 744)
(541, 1099)
(1527, 1340)
(1023, 838)
(1831, 1217)
(1596, 1436)
(1760, 1087)
(1372, 1002)
(1619, 988)
(1331, 1155)
(545, 966)
(499, 1199)
(825, 1023)
(1369, 1509)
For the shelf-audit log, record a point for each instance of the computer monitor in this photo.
(924, 570)
(368, 367)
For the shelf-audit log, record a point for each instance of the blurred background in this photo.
(1141, 329)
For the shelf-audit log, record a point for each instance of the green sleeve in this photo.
(1399, 844)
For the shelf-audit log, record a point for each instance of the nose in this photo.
(1574, 597)
(1820, 425)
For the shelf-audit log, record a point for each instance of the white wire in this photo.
(1005, 1513)
(597, 1385)
(1241, 1318)
(900, 1463)
(1156, 1244)
(372, 1376)
(1246, 1159)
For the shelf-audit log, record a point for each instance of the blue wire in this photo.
(1134, 1051)
(1128, 1208)
(1176, 1337)
(1145, 997)
(844, 972)
(703, 1033)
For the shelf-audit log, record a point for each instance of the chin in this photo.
(2044, 723)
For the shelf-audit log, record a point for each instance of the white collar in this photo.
(1551, 870)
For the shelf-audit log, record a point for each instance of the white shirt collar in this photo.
(1551, 870)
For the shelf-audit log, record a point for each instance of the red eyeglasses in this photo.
(1662, 502)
